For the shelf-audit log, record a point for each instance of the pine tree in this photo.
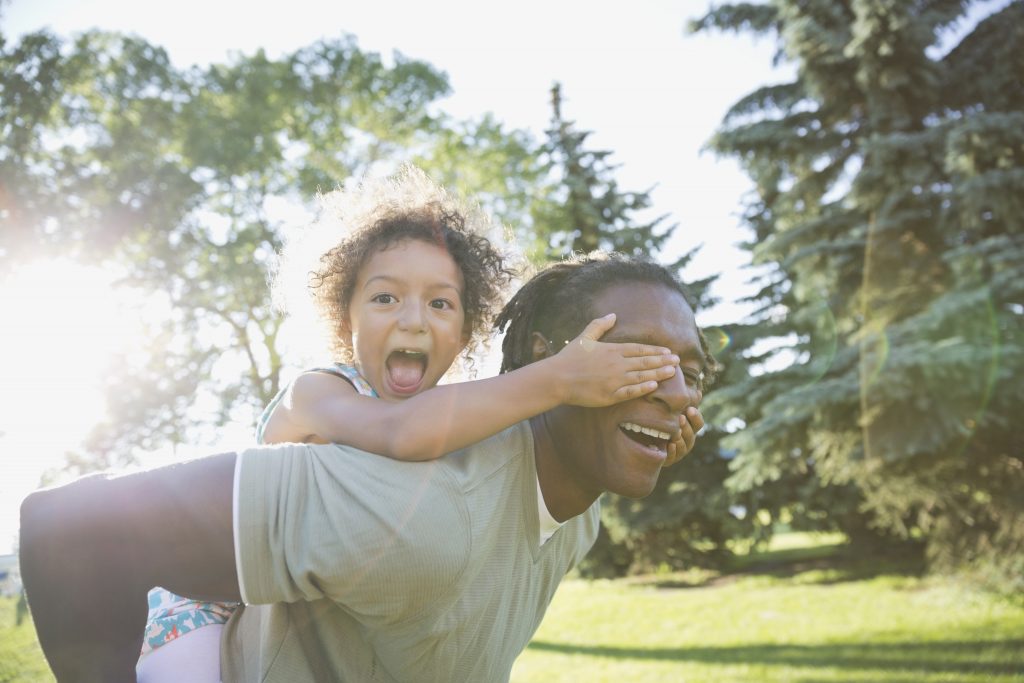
(686, 519)
(889, 203)
(583, 208)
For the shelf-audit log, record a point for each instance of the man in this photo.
(377, 570)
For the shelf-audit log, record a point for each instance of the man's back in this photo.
(448, 583)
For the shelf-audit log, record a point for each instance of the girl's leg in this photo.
(194, 657)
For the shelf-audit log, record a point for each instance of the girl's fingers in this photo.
(690, 437)
(657, 375)
(677, 450)
(695, 420)
(596, 328)
(681, 447)
(650, 362)
(633, 390)
(634, 349)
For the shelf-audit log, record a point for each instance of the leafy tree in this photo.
(175, 180)
(889, 178)
(497, 167)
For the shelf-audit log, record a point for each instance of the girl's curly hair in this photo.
(377, 215)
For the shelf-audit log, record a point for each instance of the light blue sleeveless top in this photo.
(346, 372)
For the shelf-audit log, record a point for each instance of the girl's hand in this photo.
(691, 423)
(598, 374)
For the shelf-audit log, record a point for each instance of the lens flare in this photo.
(717, 338)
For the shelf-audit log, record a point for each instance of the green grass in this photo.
(798, 613)
(21, 660)
(804, 611)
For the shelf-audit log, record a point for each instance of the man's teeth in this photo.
(633, 427)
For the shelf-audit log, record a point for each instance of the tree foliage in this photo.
(887, 207)
(184, 182)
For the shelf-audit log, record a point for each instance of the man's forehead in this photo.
(636, 298)
(650, 313)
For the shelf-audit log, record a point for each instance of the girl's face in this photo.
(406, 318)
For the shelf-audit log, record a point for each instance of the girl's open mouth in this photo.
(405, 369)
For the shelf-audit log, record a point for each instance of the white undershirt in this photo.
(548, 524)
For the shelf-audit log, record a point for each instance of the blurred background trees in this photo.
(874, 391)
(885, 359)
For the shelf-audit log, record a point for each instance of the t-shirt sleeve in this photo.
(379, 537)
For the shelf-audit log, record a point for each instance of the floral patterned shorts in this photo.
(172, 616)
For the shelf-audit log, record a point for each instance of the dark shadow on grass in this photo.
(934, 657)
(839, 563)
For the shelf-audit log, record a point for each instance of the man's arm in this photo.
(91, 550)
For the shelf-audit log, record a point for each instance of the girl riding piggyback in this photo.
(412, 284)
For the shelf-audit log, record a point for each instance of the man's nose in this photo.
(675, 394)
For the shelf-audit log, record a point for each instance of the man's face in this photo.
(601, 448)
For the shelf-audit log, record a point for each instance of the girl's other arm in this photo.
(690, 424)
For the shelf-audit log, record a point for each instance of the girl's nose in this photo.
(412, 318)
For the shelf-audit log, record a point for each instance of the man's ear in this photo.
(540, 347)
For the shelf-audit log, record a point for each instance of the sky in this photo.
(649, 92)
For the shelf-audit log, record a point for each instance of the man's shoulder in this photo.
(497, 460)
(508, 450)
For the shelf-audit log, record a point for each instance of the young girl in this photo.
(411, 286)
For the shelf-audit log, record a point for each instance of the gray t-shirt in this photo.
(394, 571)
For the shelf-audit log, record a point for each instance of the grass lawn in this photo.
(804, 612)
(21, 660)
(799, 614)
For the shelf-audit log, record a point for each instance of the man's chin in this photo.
(636, 489)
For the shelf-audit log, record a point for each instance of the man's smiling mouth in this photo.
(646, 436)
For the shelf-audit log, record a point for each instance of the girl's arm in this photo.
(446, 418)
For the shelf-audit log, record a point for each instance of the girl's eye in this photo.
(442, 304)
(383, 299)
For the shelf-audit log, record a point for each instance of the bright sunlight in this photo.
(62, 324)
